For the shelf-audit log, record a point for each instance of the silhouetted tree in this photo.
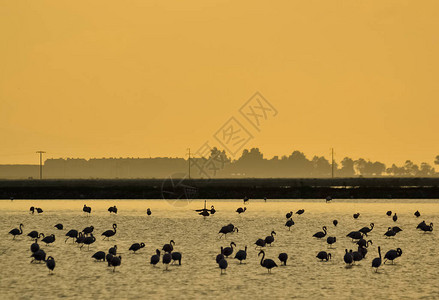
(347, 168)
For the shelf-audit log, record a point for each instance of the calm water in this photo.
(414, 275)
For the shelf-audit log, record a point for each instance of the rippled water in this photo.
(414, 275)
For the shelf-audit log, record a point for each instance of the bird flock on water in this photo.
(168, 256)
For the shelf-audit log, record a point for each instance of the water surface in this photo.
(76, 275)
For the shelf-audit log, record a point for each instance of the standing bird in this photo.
(260, 243)
(267, 263)
(113, 250)
(109, 257)
(395, 217)
(39, 210)
(86, 209)
(241, 210)
(270, 238)
(115, 262)
(166, 259)
(289, 215)
(100, 255)
(356, 215)
(71, 234)
(59, 226)
(241, 255)
(212, 210)
(335, 222)
(50, 263)
(389, 213)
(169, 247)
(392, 255)
(148, 212)
(110, 233)
(417, 214)
(229, 250)
(322, 255)
(289, 223)
(34, 247)
(348, 258)
(88, 230)
(300, 211)
(320, 234)
(49, 239)
(355, 235)
(376, 262)
(396, 229)
(223, 265)
(155, 259)
(112, 209)
(80, 239)
(88, 241)
(427, 228)
(220, 256)
(17, 231)
(331, 240)
(32, 210)
(366, 230)
(227, 229)
(39, 255)
(390, 232)
(283, 257)
(33, 234)
(357, 255)
(363, 243)
(245, 200)
(176, 256)
(136, 246)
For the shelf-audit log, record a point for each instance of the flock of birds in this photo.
(86, 238)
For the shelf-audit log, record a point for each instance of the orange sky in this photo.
(152, 78)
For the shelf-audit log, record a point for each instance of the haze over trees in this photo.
(218, 164)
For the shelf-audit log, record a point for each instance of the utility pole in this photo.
(41, 163)
(332, 162)
(189, 162)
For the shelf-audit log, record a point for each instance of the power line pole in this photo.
(332, 162)
(189, 162)
(41, 163)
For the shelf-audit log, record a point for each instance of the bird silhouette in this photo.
(109, 233)
(267, 263)
(17, 231)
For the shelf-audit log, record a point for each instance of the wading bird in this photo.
(136, 246)
(50, 263)
(283, 257)
(320, 234)
(110, 233)
(376, 262)
(267, 263)
(86, 209)
(17, 231)
(270, 238)
(289, 223)
(241, 255)
(392, 255)
(366, 230)
(322, 255)
(169, 247)
(100, 255)
(155, 259)
(241, 210)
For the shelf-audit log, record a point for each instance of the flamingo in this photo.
(320, 234)
(348, 259)
(32, 210)
(155, 259)
(49, 239)
(229, 250)
(71, 234)
(241, 210)
(390, 232)
(289, 215)
(223, 265)
(113, 250)
(169, 247)
(110, 233)
(39, 255)
(33, 234)
(241, 255)
(395, 217)
(417, 214)
(176, 256)
(322, 255)
(392, 255)
(136, 246)
(220, 256)
(16, 231)
(88, 230)
(331, 240)
(356, 215)
(50, 263)
(376, 262)
(355, 235)
(39, 210)
(267, 263)
(100, 255)
(289, 223)
(88, 241)
(335, 222)
(270, 238)
(389, 213)
(283, 257)
(367, 229)
(300, 211)
(427, 228)
(260, 243)
(35, 247)
(166, 259)
(115, 262)
(212, 210)
(86, 209)
(59, 226)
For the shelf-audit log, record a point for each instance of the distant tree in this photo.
(411, 168)
(396, 171)
(299, 165)
(347, 168)
(368, 168)
(426, 170)
(436, 162)
(322, 167)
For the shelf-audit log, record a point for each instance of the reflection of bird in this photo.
(16, 231)
(110, 233)
(376, 262)
(322, 255)
(417, 214)
(267, 263)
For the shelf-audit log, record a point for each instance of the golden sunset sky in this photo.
(152, 78)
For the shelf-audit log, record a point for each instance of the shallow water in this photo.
(414, 274)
